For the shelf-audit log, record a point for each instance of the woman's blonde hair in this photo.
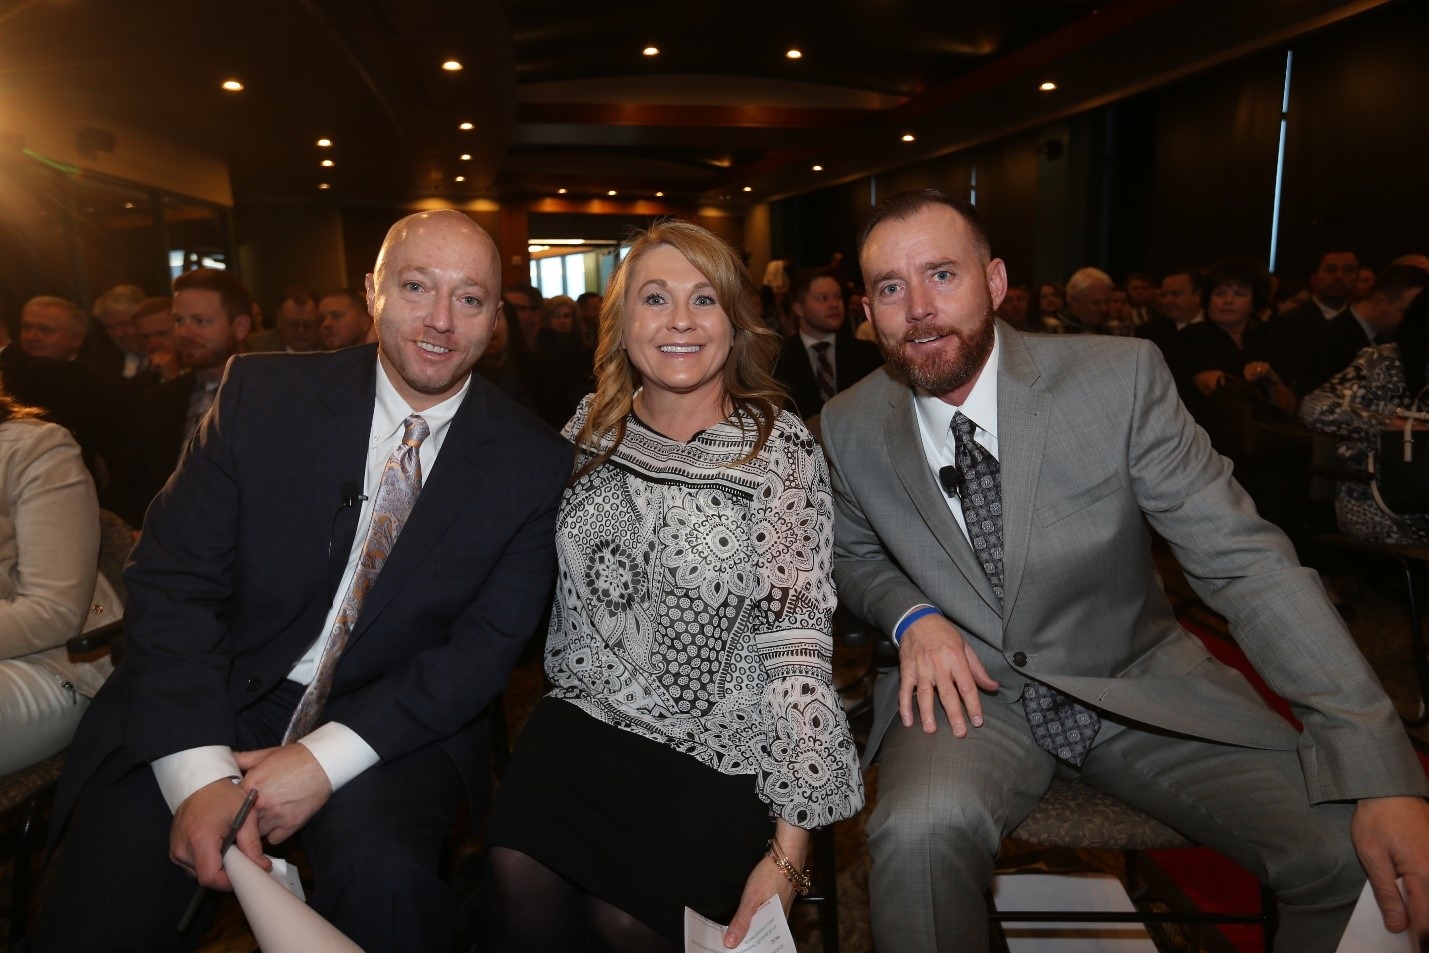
(749, 384)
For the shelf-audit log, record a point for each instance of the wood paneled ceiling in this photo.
(559, 94)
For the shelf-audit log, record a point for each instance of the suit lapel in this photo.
(343, 459)
(1023, 413)
(905, 450)
(454, 480)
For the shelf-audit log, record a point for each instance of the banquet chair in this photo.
(1075, 816)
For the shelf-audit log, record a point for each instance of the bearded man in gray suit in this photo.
(993, 490)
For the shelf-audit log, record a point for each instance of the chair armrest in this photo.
(95, 639)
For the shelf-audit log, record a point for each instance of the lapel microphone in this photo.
(352, 493)
(952, 479)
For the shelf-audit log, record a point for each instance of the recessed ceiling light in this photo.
(651, 51)
(795, 54)
(1047, 87)
(233, 86)
(461, 178)
(466, 127)
(324, 143)
(818, 168)
(452, 66)
(128, 204)
(611, 192)
(659, 195)
(324, 185)
(466, 157)
(908, 137)
(327, 163)
(560, 191)
(749, 188)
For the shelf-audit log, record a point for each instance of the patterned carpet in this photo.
(1378, 624)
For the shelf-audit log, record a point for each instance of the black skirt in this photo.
(629, 820)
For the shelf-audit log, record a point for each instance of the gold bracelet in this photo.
(801, 881)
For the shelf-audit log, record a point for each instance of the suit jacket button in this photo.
(1019, 659)
(253, 684)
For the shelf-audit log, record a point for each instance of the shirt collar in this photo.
(811, 339)
(1370, 331)
(981, 405)
(391, 409)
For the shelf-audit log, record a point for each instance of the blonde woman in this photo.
(691, 738)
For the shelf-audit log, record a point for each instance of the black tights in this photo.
(530, 908)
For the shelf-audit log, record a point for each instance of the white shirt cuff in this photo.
(340, 751)
(184, 772)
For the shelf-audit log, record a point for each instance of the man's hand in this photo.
(933, 658)
(200, 825)
(291, 787)
(1391, 836)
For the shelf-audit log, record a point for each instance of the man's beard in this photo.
(940, 374)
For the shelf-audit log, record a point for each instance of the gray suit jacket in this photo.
(1092, 438)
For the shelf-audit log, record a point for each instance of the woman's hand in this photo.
(1206, 382)
(1257, 371)
(767, 880)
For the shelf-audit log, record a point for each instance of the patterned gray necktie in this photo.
(396, 495)
(1060, 725)
(827, 387)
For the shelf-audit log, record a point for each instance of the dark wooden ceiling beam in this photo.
(739, 117)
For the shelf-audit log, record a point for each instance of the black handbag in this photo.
(1399, 468)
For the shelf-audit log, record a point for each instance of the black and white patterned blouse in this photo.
(694, 602)
(1355, 405)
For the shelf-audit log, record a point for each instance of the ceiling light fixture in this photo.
(659, 195)
(466, 157)
(611, 192)
(1047, 87)
(795, 54)
(461, 178)
(324, 143)
(749, 188)
(327, 163)
(466, 127)
(452, 66)
(560, 191)
(908, 137)
(324, 185)
(651, 51)
(233, 86)
(818, 168)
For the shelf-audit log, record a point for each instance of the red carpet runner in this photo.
(1209, 880)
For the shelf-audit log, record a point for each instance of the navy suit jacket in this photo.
(242, 551)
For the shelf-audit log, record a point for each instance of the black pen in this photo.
(228, 839)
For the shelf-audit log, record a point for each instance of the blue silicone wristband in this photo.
(909, 619)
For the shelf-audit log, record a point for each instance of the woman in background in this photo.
(1357, 404)
(692, 737)
(49, 558)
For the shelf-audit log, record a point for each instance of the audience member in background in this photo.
(1358, 403)
(43, 372)
(1013, 309)
(774, 287)
(115, 311)
(1364, 284)
(558, 367)
(1180, 306)
(154, 330)
(823, 358)
(1237, 368)
(1330, 346)
(689, 648)
(49, 552)
(1051, 298)
(504, 360)
(211, 310)
(1119, 310)
(296, 329)
(1141, 293)
(1290, 294)
(526, 301)
(1088, 306)
(343, 320)
(1330, 284)
(588, 314)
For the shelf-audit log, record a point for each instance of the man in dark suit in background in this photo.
(1331, 345)
(360, 541)
(823, 358)
(212, 315)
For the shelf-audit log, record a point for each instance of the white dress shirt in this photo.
(341, 752)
